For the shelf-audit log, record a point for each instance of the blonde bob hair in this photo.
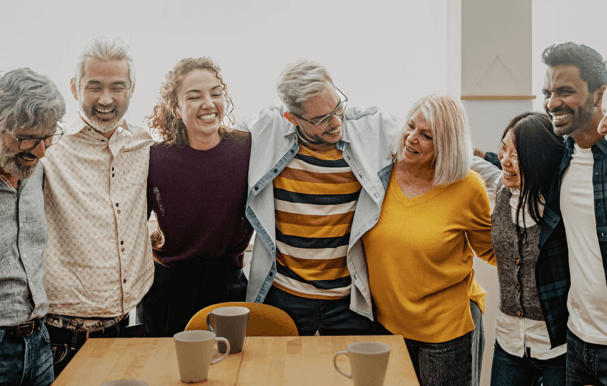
(452, 145)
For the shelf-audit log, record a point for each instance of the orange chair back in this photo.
(264, 320)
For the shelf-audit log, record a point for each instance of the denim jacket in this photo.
(365, 145)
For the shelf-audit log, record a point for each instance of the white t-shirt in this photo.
(587, 300)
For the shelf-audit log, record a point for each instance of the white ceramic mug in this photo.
(230, 323)
(194, 354)
(368, 360)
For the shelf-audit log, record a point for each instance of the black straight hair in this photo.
(540, 152)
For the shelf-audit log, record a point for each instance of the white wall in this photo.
(383, 53)
(560, 21)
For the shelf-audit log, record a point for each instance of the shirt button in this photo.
(112, 174)
(25, 255)
(122, 250)
(124, 281)
(21, 225)
(122, 242)
(519, 313)
(116, 205)
(118, 211)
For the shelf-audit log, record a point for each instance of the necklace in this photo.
(6, 181)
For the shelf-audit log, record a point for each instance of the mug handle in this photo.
(335, 363)
(214, 361)
(210, 322)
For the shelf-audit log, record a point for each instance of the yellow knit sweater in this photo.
(420, 259)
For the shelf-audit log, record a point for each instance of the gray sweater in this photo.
(518, 292)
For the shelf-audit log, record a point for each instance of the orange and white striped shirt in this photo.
(315, 198)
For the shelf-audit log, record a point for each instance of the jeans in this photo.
(455, 362)
(510, 370)
(179, 292)
(328, 317)
(586, 362)
(26, 361)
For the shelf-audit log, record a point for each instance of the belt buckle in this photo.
(26, 329)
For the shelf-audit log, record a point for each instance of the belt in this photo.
(21, 331)
(75, 338)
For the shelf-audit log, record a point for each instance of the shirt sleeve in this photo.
(488, 172)
(479, 229)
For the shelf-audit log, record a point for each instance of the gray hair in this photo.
(28, 100)
(452, 144)
(105, 49)
(300, 82)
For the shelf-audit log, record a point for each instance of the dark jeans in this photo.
(586, 362)
(178, 293)
(455, 362)
(510, 370)
(26, 361)
(328, 317)
(64, 349)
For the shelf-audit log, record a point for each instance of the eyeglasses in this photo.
(28, 143)
(339, 111)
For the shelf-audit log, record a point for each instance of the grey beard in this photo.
(9, 163)
(102, 127)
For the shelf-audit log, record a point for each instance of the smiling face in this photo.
(104, 93)
(22, 163)
(419, 144)
(200, 104)
(567, 100)
(509, 159)
(316, 109)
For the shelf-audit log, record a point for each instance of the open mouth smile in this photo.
(208, 117)
(411, 150)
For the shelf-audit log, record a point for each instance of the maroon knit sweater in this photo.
(199, 198)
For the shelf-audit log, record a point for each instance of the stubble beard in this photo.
(10, 163)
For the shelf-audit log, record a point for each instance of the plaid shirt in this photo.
(552, 269)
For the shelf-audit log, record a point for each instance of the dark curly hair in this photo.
(163, 121)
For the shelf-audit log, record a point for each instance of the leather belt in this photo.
(75, 338)
(21, 331)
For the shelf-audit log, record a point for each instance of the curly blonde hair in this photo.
(163, 121)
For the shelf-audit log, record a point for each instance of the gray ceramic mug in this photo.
(230, 323)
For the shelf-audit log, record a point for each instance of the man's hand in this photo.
(479, 153)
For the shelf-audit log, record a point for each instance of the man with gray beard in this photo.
(99, 256)
(30, 106)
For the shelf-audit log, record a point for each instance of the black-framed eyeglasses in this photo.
(28, 143)
(339, 111)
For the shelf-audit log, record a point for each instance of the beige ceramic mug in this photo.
(368, 360)
(195, 354)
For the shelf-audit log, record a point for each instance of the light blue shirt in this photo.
(23, 235)
(365, 146)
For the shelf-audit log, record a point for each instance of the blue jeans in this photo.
(455, 362)
(26, 361)
(586, 362)
(328, 317)
(510, 370)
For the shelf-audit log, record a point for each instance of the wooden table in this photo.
(263, 361)
(308, 360)
(148, 359)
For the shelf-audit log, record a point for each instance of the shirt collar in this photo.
(76, 124)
